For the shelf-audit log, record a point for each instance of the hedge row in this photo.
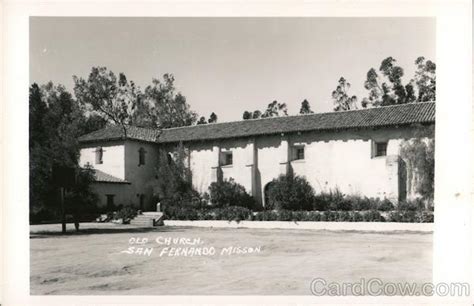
(235, 213)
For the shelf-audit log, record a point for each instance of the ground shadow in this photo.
(96, 231)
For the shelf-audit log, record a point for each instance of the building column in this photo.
(251, 166)
(216, 164)
(392, 165)
(284, 152)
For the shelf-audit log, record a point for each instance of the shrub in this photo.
(290, 192)
(126, 214)
(232, 213)
(312, 216)
(412, 216)
(229, 193)
(385, 205)
(332, 200)
(411, 205)
(426, 217)
(267, 215)
(357, 217)
(361, 203)
(344, 216)
(372, 216)
(285, 215)
(181, 213)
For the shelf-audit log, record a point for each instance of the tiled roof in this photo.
(116, 133)
(397, 115)
(103, 177)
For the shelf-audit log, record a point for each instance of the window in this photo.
(227, 159)
(380, 149)
(99, 152)
(299, 153)
(141, 156)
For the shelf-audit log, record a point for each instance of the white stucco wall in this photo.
(141, 177)
(113, 158)
(121, 192)
(201, 162)
(121, 159)
(342, 160)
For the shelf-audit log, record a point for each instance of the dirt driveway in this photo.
(113, 259)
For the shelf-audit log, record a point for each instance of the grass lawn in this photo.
(92, 262)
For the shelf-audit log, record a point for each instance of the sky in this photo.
(229, 65)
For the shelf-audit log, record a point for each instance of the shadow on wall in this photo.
(402, 180)
(258, 187)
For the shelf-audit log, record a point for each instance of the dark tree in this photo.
(212, 118)
(305, 107)
(202, 120)
(247, 115)
(167, 108)
(56, 121)
(425, 79)
(114, 99)
(387, 88)
(256, 114)
(93, 123)
(341, 97)
(275, 109)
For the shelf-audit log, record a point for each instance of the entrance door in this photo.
(110, 201)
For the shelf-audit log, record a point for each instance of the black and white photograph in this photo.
(214, 156)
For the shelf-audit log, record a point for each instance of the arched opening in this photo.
(266, 197)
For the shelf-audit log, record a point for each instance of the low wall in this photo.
(333, 226)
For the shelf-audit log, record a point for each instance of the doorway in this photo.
(142, 202)
(110, 201)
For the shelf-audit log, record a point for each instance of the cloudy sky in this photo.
(229, 65)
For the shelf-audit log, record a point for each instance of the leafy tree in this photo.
(93, 123)
(247, 115)
(387, 88)
(252, 115)
(290, 192)
(275, 109)
(167, 108)
(81, 199)
(425, 79)
(256, 114)
(56, 121)
(342, 100)
(202, 120)
(305, 107)
(114, 99)
(212, 118)
(229, 193)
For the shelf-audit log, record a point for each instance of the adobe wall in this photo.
(121, 192)
(121, 159)
(113, 158)
(141, 176)
(342, 160)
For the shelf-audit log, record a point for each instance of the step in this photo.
(147, 219)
